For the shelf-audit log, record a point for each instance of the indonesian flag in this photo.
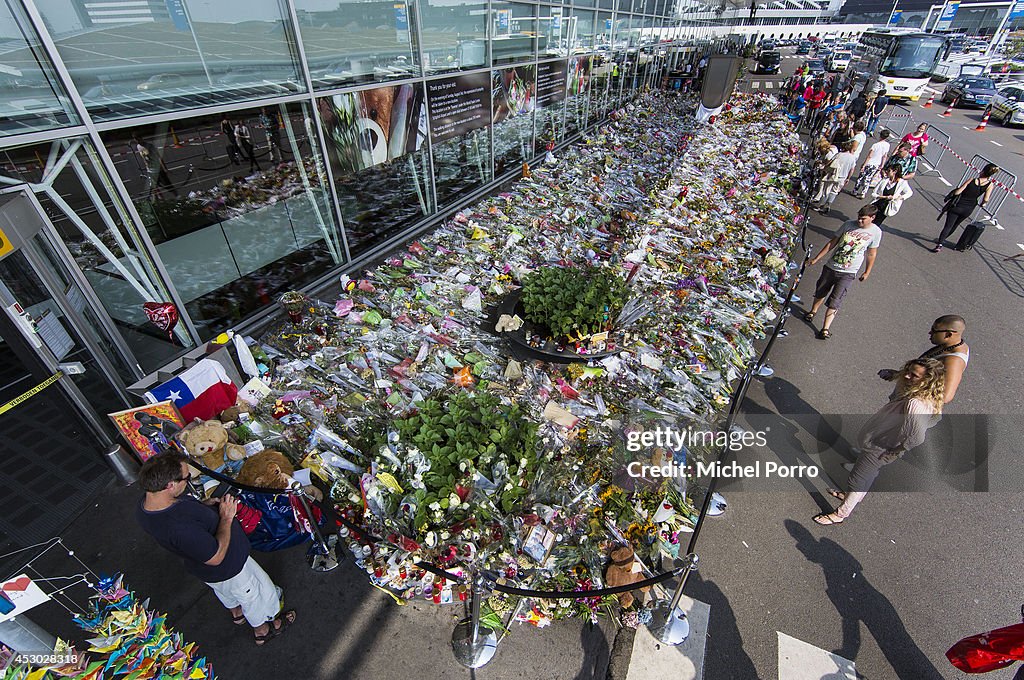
(202, 391)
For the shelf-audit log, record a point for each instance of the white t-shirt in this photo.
(877, 153)
(843, 166)
(854, 243)
(861, 137)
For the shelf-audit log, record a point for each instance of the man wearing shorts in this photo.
(211, 543)
(854, 244)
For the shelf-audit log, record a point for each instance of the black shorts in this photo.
(833, 284)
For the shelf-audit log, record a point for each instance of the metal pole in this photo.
(891, 12)
(995, 37)
(669, 624)
(473, 643)
(323, 560)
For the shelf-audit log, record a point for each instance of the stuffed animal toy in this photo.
(231, 414)
(208, 443)
(623, 570)
(271, 469)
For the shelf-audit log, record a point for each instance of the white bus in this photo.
(899, 61)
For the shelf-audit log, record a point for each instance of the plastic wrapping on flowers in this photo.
(440, 446)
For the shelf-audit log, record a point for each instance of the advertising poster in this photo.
(149, 429)
(513, 92)
(551, 78)
(458, 105)
(370, 127)
(948, 14)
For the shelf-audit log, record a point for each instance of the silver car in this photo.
(1007, 105)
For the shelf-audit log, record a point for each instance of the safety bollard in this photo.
(473, 643)
(668, 622)
(949, 112)
(928, 104)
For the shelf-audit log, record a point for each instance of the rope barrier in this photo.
(584, 594)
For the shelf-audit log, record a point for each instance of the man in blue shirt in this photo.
(211, 543)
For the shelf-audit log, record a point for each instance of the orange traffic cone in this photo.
(928, 104)
(949, 112)
(984, 121)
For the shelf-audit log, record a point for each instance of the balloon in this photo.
(163, 315)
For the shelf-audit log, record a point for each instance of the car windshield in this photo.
(912, 57)
(841, 55)
(979, 83)
(815, 63)
(770, 56)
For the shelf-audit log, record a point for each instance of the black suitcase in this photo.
(972, 232)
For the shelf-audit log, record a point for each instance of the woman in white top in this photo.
(896, 428)
(890, 193)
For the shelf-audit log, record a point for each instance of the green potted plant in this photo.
(572, 303)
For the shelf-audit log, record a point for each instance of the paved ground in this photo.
(891, 589)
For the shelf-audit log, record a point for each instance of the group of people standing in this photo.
(239, 143)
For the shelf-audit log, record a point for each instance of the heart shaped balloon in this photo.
(163, 315)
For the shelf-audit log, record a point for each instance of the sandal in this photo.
(238, 620)
(827, 519)
(809, 316)
(836, 493)
(824, 334)
(276, 626)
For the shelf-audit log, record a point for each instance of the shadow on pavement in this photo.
(857, 602)
(594, 646)
(724, 657)
(1010, 274)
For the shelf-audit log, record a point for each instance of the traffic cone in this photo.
(984, 121)
(949, 112)
(928, 104)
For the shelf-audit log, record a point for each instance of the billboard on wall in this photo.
(513, 92)
(370, 127)
(551, 79)
(947, 16)
(458, 105)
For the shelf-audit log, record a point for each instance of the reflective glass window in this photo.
(145, 56)
(79, 199)
(577, 94)
(513, 32)
(31, 97)
(582, 31)
(351, 42)
(550, 126)
(460, 110)
(376, 141)
(453, 34)
(553, 32)
(235, 204)
(513, 97)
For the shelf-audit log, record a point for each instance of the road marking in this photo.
(943, 180)
(992, 141)
(965, 127)
(768, 85)
(1021, 246)
(754, 85)
(1000, 227)
(802, 661)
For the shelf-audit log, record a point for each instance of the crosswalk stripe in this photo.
(768, 85)
(754, 85)
(802, 661)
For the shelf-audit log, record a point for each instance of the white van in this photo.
(838, 61)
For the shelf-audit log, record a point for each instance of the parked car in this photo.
(804, 47)
(1007, 105)
(768, 61)
(161, 81)
(969, 90)
(816, 67)
(838, 61)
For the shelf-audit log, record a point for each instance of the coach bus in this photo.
(901, 62)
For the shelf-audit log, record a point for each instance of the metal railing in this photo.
(896, 119)
(933, 153)
(1004, 183)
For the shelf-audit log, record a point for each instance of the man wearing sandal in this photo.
(896, 428)
(854, 244)
(212, 545)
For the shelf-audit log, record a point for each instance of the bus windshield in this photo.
(912, 57)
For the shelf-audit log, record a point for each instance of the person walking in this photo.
(962, 201)
(896, 428)
(876, 110)
(211, 543)
(855, 243)
(869, 172)
(228, 130)
(858, 106)
(949, 347)
(918, 140)
(890, 193)
(244, 137)
(835, 175)
(904, 161)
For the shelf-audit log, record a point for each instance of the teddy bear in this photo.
(623, 570)
(271, 469)
(232, 415)
(208, 442)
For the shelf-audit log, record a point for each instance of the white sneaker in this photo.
(765, 371)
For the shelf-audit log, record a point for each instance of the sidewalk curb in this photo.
(621, 654)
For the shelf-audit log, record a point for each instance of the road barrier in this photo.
(897, 121)
(938, 142)
(1004, 181)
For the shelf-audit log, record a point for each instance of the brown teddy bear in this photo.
(230, 415)
(271, 469)
(208, 443)
(623, 570)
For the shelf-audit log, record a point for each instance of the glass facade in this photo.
(204, 156)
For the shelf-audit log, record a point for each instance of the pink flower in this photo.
(343, 307)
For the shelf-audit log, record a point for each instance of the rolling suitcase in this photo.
(972, 232)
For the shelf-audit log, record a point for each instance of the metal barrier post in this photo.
(323, 560)
(668, 622)
(473, 643)
(1004, 183)
(934, 152)
(897, 113)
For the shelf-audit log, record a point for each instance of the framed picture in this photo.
(149, 429)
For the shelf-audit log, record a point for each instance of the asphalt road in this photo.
(911, 572)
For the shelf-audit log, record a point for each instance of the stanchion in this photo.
(473, 643)
(928, 104)
(323, 559)
(949, 111)
(984, 120)
(668, 622)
